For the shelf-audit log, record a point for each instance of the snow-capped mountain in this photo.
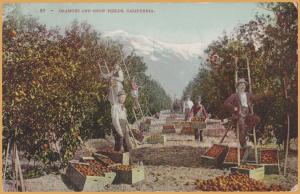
(173, 65)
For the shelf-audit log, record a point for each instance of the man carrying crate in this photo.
(198, 111)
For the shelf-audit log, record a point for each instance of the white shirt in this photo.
(115, 87)
(187, 104)
(120, 77)
(243, 98)
(116, 114)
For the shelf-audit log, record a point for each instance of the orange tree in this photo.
(51, 87)
(53, 97)
(270, 43)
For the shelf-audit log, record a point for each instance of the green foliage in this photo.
(53, 97)
(270, 43)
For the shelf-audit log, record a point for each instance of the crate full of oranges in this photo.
(156, 139)
(128, 174)
(168, 129)
(231, 158)
(198, 123)
(215, 155)
(251, 170)
(89, 176)
(269, 157)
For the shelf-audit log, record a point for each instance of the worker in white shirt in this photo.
(120, 123)
(116, 83)
(187, 106)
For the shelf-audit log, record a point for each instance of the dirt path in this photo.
(173, 166)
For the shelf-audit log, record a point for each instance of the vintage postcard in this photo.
(150, 97)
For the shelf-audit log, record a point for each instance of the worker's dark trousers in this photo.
(198, 134)
(122, 142)
(246, 122)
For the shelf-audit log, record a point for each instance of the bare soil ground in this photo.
(173, 166)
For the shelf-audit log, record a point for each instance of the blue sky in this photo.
(170, 22)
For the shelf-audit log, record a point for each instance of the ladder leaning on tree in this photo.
(242, 70)
(139, 112)
(109, 73)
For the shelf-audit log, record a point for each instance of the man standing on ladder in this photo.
(116, 78)
(239, 105)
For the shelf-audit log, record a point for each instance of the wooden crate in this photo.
(83, 159)
(156, 139)
(176, 123)
(136, 174)
(198, 125)
(88, 183)
(216, 160)
(270, 168)
(244, 154)
(185, 124)
(117, 157)
(103, 159)
(257, 173)
(187, 131)
(168, 131)
(170, 126)
(170, 119)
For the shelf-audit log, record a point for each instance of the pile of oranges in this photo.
(121, 167)
(98, 166)
(105, 160)
(87, 170)
(235, 182)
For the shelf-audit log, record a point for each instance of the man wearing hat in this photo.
(120, 123)
(239, 104)
(187, 106)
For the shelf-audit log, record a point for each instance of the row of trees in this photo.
(270, 43)
(52, 93)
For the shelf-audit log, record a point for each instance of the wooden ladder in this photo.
(17, 174)
(139, 112)
(242, 70)
(109, 72)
